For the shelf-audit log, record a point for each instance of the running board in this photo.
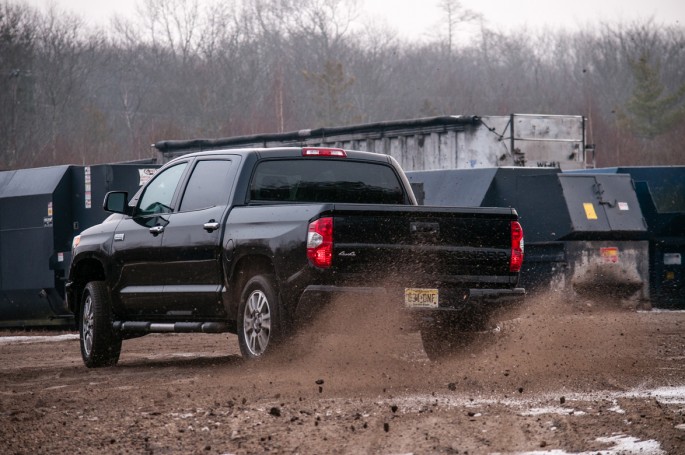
(175, 327)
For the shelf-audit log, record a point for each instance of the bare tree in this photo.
(324, 26)
(17, 42)
(63, 65)
(173, 24)
(456, 16)
(185, 68)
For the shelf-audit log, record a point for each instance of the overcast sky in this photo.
(413, 17)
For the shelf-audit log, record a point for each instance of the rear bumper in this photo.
(451, 301)
(463, 295)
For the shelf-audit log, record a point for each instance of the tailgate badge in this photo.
(351, 254)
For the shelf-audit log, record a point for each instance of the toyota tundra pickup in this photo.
(252, 241)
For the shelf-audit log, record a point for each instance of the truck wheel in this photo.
(440, 342)
(100, 345)
(260, 326)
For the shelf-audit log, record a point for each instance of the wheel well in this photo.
(248, 267)
(85, 271)
(245, 269)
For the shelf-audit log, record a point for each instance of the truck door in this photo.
(136, 249)
(192, 241)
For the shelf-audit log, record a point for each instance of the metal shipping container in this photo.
(450, 142)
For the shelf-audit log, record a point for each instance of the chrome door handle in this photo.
(211, 226)
(156, 230)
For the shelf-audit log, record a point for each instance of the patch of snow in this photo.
(547, 452)
(630, 445)
(37, 339)
(551, 410)
(55, 387)
(670, 395)
(617, 409)
(540, 403)
(622, 445)
(660, 310)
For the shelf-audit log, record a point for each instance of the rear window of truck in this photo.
(326, 180)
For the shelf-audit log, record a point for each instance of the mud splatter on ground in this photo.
(560, 377)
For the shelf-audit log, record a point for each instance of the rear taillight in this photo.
(320, 242)
(516, 260)
(340, 153)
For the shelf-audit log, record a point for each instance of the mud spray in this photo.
(364, 343)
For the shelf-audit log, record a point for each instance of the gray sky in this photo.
(413, 18)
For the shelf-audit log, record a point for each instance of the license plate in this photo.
(420, 298)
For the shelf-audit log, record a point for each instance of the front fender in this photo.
(90, 260)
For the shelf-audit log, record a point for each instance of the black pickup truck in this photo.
(248, 241)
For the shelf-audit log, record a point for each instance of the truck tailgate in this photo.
(424, 244)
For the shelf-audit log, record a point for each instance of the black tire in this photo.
(100, 345)
(446, 336)
(445, 340)
(260, 323)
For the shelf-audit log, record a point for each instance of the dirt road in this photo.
(561, 378)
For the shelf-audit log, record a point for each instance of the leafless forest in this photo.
(73, 93)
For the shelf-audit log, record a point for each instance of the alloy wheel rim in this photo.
(257, 323)
(87, 323)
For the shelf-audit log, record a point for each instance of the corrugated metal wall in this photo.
(454, 142)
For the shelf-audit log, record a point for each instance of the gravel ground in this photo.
(561, 377)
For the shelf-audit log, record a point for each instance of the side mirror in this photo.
(117, 202)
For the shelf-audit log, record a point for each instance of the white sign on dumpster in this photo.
(145, 175)
(88, 196)
(672, 259)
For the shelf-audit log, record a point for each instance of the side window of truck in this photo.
(159, 193)
(208, 186)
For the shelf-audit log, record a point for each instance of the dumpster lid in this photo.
(465, 188)
(32, 182)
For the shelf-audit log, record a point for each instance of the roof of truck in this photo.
(289, 152)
